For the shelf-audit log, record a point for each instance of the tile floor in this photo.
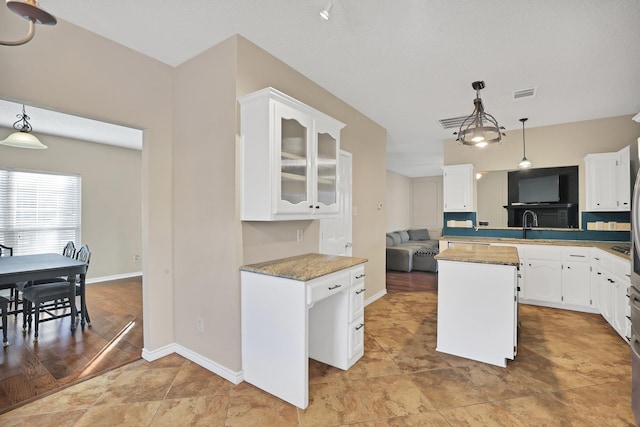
(572, 369)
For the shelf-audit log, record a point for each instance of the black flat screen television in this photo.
(544, 189)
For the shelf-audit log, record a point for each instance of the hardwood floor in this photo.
(416, 281)
(60, 358)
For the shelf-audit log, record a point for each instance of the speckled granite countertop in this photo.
(481, 254)
(304, 267)
(605, 246)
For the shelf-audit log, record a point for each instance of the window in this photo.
(39, 212)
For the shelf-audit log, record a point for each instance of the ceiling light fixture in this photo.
(325, 14)
(23, 138)
(480, 128)
(30, 11)
(524, 163)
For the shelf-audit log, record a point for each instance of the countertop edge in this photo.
(305, 267)
(598, 244)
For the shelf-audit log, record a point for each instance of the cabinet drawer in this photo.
(356, 338)
(621, 268)
(328, 285)
(601, 260)
(356, 302)
(575, 253)
(545, 252)
(357, 275)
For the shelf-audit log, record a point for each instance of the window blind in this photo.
(39, 212)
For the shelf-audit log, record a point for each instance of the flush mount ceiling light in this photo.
(524, 163)
(480, 128)
(23, 138)
(325, 14)
(30, 11)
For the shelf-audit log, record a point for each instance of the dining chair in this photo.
(4, 306)
(84, 255)
(6, 250)
(34, 296)
(69, 250)
(12, 301)
(49, 305)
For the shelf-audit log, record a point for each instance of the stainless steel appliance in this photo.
(634, 291)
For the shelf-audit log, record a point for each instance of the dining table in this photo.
(29, 268)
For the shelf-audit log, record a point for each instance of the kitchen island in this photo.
(478, 302)
(296, 308)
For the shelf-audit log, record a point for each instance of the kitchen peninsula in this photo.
(477, 302)
(296, 308)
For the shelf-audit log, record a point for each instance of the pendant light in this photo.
(326, 12)
(524, 163)
(480, 128)
(30, 11)
(23, 138)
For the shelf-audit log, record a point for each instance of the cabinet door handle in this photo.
(310, 206)
(577, 256)
(318, 207)
(360, 326)
(360, 276)
(334, 287)
(360, 291)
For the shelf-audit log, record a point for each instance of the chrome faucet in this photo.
(534, 220)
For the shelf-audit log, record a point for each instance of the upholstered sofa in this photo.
(409, 250)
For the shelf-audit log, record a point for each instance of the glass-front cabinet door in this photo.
(292, 134)
(288, 159)
(326, 173)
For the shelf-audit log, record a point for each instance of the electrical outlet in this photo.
(200, 324)
(300, 235)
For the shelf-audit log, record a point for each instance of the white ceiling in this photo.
(408, 63)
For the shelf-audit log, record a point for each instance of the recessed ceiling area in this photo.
(64, 125)
(409, 64)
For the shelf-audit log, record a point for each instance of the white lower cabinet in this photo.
(356, 316)
(622, 310)
(557, 276)
(576, 276)
(543, 274)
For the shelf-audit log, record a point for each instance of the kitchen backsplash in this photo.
(455, 218)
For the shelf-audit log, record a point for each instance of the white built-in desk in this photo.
(293, 309)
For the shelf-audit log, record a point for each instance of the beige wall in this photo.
(206, 278)
(364, 138)
(190, 121)
(414, 203)
(549, 146)
(399, 202)
(428, 204)
(68, 69)
(111, 200)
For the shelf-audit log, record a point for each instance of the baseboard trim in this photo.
(375, 297)
(114, 277)
(216, 368)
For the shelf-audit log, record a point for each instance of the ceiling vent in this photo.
(524, 93)
(452, 123)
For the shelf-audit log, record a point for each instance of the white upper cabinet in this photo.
(289, 159)
(607, 181)
(459, 188)
(624, 179)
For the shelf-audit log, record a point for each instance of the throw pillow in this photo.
(420, 234)
(396, 238)
(389, 240)
(404, 236)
